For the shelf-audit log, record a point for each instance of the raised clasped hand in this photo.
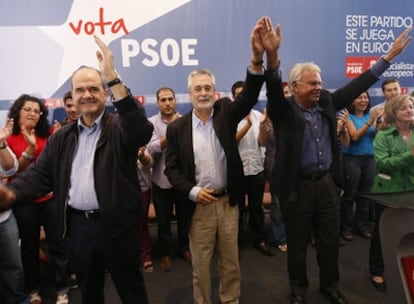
(270, 38)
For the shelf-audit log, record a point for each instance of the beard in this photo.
(203, 105)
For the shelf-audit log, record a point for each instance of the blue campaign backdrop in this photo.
(157, 43)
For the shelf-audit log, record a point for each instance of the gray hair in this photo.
(200, 72)
(297, 70)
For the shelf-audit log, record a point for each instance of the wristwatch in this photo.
(113, 82)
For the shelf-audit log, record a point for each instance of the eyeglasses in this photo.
(35, 111)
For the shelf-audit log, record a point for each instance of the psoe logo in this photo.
(355, 66)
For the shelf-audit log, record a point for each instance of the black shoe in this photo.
(381, 287)
(295, 299)
(266, 249)
(335, 296)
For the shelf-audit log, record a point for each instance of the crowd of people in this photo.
(89, 180)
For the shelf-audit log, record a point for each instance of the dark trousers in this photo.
(254, 190)
(92, 251)
(376, 260)
(11, 268)
(360, 171)
(164, 201)
(314, 205)
(29, 218)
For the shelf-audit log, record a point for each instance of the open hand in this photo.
(399, 44)
(7, 130)
(29, 136)
(106, 60)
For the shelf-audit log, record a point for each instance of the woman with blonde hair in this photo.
(394, 155)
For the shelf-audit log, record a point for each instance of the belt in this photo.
(221, 193)
(314, 176)
(86, 213)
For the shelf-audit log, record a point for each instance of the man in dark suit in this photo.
(90, 166)
(308, 173)
(203, 164)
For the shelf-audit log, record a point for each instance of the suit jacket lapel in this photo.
(187, 138)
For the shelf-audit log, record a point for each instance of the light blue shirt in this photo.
(209, 157)
(363, 146)
(157, 153)
(82, 194)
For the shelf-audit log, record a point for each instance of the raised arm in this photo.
(107, 68)
(265, 39)
(400, 43)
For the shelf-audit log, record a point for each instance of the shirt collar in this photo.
(315, 108)
(391, 130)
(96, 126)
(197, 122)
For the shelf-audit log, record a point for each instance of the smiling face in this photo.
(308, 89)
(71, 111)
(361, 103)
(89, 94)
(202, 92)
(29, 114)
(404, 112)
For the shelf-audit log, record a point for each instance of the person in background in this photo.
(31, 131)
(390, 88)
(251, 139)
(144, 164)
(204, 166)
(164, 195)
(341, 130)
(101, 219)
(277, 227)
(308, 170)
(286, 90)
(72, 113)
(394, 156)
(359, 166)
(11, 268)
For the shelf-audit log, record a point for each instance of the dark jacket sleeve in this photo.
(35, 181)
(179, 160)
(345, 95)
(136, 129)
